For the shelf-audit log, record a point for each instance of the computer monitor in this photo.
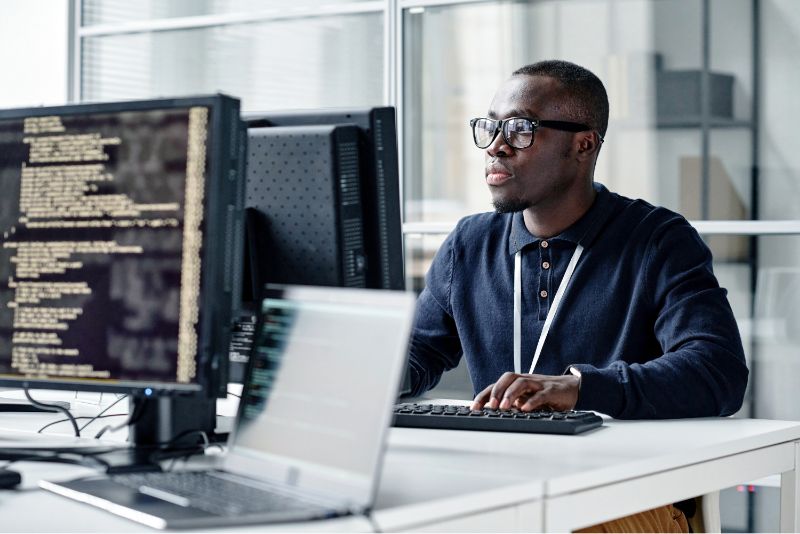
(119, 232)
(376, 134)
(322, 206)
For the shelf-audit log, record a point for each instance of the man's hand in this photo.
(530, 392)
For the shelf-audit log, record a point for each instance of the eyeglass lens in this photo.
(518, 132)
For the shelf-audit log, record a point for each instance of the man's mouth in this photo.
(497, 175)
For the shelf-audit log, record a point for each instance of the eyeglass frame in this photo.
(565, 126)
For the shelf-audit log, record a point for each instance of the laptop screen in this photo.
(325, 370)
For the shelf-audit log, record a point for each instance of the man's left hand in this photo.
(530, 392)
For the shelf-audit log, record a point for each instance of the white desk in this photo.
(456, 480)
(619, 469)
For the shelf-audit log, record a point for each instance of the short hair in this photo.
(584, 91)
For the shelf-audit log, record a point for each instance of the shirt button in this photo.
(546, 265)
(545, 244)
(543, 294)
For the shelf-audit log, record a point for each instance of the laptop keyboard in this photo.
(458, 417)
(212, 494)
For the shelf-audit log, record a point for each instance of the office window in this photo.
(94, 12)
(649, 56)
(298, 63)
(775, 330)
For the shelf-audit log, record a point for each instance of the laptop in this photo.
(311, 428)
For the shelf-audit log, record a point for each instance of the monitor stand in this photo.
(171, 421)
(164, 427)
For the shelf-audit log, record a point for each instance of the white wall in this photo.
(33, 52)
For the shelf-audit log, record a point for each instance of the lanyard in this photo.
(562, 287)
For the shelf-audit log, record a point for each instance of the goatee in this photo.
(508, 206)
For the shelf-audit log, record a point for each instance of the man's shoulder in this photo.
(482, 225)
(642, 216)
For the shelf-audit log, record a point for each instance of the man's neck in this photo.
(546, 221)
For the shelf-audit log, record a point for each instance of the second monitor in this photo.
(323, 207)
(362, 150)
(305, 221)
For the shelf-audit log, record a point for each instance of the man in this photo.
(643, 329)
(616, 308)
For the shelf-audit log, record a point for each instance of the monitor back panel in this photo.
(304, 182)
(380, 184)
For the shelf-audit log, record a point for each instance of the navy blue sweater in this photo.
(643, 318)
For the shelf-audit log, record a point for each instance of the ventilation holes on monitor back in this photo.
(296, 184)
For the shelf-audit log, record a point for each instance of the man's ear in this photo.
(588, 143)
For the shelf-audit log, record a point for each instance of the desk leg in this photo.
(790, 493)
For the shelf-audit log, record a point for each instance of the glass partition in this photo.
(666, 142)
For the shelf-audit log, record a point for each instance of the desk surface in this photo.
(430, 477)
(617, 452)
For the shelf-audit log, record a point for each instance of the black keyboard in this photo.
(457, 417)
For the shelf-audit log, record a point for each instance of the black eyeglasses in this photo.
(517, 131)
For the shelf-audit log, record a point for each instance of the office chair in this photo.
(706, 516)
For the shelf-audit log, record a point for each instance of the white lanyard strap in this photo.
(517, 312)
(562, 287)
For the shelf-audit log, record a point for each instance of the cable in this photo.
(54, 408)
(159, 455)
(186, 433)
(91, 419)
(98, 416)
(48, 425)
(372, 522)
(234, 395)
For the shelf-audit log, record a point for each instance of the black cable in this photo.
(167, 452)
(101, 414)
(48, 425)
(187, 433)
(372, 522)
(160, 456)
(54, 408)
(234, 395)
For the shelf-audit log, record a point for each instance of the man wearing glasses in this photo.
(569, 296)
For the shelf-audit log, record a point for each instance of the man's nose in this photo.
(499, 147)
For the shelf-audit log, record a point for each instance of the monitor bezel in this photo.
(211, 351)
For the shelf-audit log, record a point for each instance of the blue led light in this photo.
(148, 392)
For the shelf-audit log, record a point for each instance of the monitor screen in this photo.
(118, 227)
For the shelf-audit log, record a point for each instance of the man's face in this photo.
(542, 173)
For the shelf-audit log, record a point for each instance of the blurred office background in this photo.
(703, 117)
